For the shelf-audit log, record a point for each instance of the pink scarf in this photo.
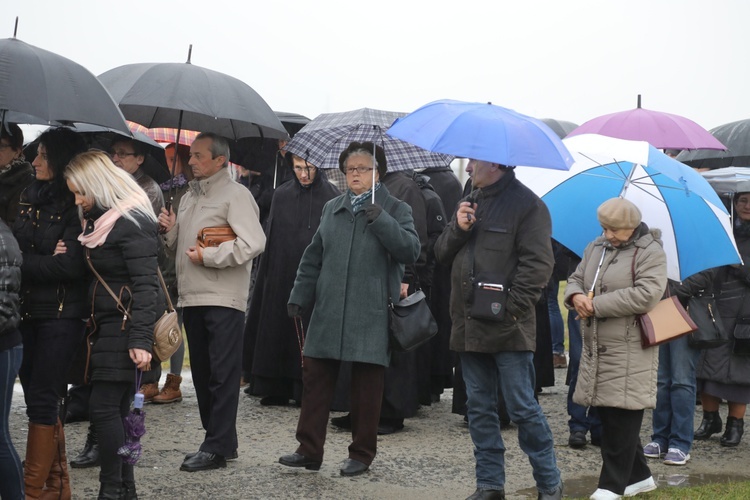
(102, 227)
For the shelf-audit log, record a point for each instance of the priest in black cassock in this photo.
(272, 347)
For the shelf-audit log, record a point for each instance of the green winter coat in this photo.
(344, 276)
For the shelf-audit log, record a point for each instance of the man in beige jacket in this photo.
(213, 284)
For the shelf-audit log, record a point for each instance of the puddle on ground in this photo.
(585, 486)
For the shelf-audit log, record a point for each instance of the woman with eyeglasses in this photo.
(347, 275)
(723, 373)
(53, 307)
(272, 353)
(15, 172)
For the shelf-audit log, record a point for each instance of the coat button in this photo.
(604, 288)
(602, 349)
(601, 320)
(614, 261)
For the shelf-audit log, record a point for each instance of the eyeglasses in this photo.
(122, 154)
(299, 170)
(743, 201)
(359, 170)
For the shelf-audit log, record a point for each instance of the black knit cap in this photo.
(367, 146)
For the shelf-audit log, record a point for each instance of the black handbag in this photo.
(711, 332)
(411, 323)
(741, 336)
(490, 294)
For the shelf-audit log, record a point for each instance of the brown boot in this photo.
(41, 450)
(149, 391)
(170, 393)
(57, 486)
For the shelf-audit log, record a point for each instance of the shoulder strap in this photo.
(122, 308)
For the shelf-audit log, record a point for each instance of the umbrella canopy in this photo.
(735, 136)
(38, 86)
(728, 181)
(560, 127)
(182, 95)
(661, 130)
(292, 122)
(322, 140)
(696, 228)
(482, 132)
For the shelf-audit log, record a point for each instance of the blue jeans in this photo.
(557, 329)
(514, 373)
(581, 418)
(675, 395)
(11, 472)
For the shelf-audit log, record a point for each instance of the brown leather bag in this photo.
(215, 236)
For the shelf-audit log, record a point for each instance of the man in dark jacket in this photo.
(500, 235)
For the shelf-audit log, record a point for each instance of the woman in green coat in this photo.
(354, 264)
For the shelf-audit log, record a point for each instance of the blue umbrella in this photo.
(696, 227)
(483, 132)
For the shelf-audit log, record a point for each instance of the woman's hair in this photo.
(98, 179)
(61, 145)
(365, 148)
(13, 134)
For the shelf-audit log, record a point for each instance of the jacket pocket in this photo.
(497, 238)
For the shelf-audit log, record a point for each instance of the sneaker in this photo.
(652, 450)
(676, 457)
(602, 494)
(634, 489)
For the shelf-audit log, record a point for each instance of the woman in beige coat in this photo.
(627, 272)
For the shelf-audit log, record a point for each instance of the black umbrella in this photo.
(292, 122)
(96, 137)
(560, 127)
(185, 96)
(735, 136)
(38, 86)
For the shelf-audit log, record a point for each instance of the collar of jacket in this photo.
(642, 237)
(344, 203)
(202, 187)
(499, 186)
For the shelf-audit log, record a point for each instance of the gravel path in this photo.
(430, 459)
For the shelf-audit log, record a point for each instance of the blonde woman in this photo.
(120, 236)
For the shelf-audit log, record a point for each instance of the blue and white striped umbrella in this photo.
(696, 227)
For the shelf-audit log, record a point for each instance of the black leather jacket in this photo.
(54, 286)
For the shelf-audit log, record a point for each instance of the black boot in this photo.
(733, 433)
(711, 425)
(129, 491)
(89, 456)
(111, 491)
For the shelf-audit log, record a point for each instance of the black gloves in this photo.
(293, 310)
(373, 212)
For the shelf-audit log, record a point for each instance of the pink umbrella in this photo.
(661, 130)
(164, 135)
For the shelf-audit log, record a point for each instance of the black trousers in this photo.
(318, 385)
(48, 350)
(214, 334)
(109, 403)
(622, 453)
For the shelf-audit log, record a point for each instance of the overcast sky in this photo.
(569, 60)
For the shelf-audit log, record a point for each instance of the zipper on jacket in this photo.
(60, 300)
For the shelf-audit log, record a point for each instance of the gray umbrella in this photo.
(185, 96)
(560, 127)
(293, 122)
(735, 136)
(38, 86)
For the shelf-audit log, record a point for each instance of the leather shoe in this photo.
(342, 422)
(487, 495)
(299, 460)
(352, 467)
(577, 439)
(203, 461)
(231, 456)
